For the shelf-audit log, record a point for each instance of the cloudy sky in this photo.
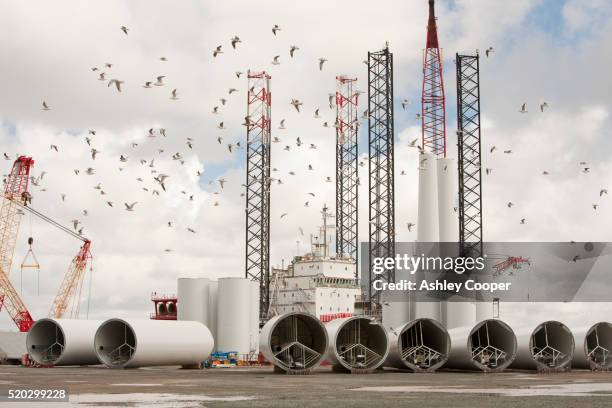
(545, 50)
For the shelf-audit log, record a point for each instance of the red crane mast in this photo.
(15, 194)
(433, 106)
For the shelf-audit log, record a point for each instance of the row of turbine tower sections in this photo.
(298, 342)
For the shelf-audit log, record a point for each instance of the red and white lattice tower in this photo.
(433, 113)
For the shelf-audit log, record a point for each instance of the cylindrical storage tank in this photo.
(488, 346)
(294, 342)
(459, 313)
(234, 316)
(254, 308)
(213, 288)
(356, 344)
(63, 341)
(448, 220)
(193, 299)
(484, 310)
(427, 220)
(421, 345)
(121, 343)
(395, 314)
(593, 347)
(550, 346)
(428, 310)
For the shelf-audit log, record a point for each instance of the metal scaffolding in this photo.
(381, 175)
(470, 175)
(257, 209)
(346, 169)
(433, 106)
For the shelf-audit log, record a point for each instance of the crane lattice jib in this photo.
(15, 194)
(72, 280)
(433, 105)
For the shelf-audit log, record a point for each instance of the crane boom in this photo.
(15, 193)
(72, 280)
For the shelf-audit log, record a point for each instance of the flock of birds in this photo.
(157, 184)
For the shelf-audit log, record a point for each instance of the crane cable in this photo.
(51, 221)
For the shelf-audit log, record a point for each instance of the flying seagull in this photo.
(321, 62)
(130, 207)
(117, 83)
(296, 104)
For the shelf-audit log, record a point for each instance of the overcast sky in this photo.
(545, 50)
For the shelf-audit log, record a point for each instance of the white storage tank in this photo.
(213, 287)
(193, 299)
(254, 336)
(234, 315)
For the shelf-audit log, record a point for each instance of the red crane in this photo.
(513, 262)
(17, 199)
(433, 106)
(73, 279)
(15, 194)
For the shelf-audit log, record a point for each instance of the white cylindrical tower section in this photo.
(490, 346)
(121, 343)
(427, 224)
(459, 313)
(427, 221)
(428, 310)
(234, 315)
(593, 347)
(193, 299)
(63, 341)
(421, 345)
(550, 346)
(254, 309)
(356, 344)
(395, 314)
(213, 288)
(448, 219)
(294, 342)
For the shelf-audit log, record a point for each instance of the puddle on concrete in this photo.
(562, 390)
(148, 400)
(136, 385)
